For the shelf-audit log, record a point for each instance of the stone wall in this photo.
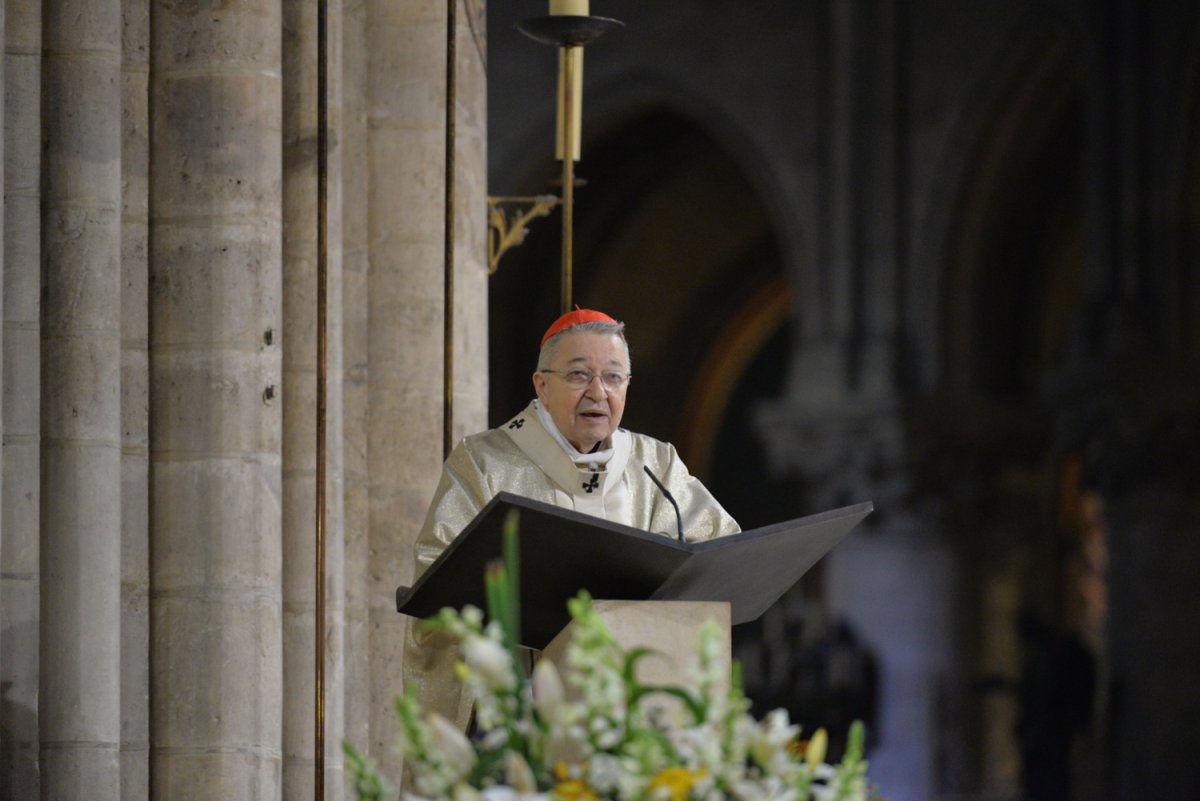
(157, 587)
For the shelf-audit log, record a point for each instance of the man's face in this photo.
(590, 414)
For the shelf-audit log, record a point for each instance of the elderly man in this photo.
(565, 448)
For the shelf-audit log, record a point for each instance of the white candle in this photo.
(571, 8)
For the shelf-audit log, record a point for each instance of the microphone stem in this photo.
(667, 493)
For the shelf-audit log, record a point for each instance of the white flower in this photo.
(451, 745)
(488, 660)
(596, 743)
(566, 744)
(502, 792)
(769, 742)
(465, 792)
(548, 692)
(604, 773)
(518, 773)
(499, 792)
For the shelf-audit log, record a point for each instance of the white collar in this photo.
(592, 460)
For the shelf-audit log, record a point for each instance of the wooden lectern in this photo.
(652, 590)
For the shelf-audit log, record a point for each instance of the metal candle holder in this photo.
(568, 33)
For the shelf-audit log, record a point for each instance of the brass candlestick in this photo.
(569, 33)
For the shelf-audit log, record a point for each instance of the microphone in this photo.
(666, 492)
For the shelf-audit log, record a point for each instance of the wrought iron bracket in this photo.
(508, 222)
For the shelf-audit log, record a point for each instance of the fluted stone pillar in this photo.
(355, 370)
(215, 255)
(135, 402)
(406, 42)
(81, 435)
(300, 283)
(21, 488)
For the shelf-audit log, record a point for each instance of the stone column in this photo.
(81, 427)
(470, 240)
(355, 372)
(406, 43)
(405, 89)
(881, 242)
(19, 527)
(300, 283)
(135, 402)
(906, 624)
(215, 294)
(849, 322)
(354, 388)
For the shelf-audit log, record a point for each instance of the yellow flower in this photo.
(573, 790)
(570, 789)
(677, 781)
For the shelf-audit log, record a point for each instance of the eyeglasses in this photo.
(578, 379)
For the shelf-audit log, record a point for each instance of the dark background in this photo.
(941, 256)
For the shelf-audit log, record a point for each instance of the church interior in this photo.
(938, 256)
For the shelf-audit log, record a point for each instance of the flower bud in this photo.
(518, 773)
(548, 692)
(451, 744)
(488, 659)
(815, 753)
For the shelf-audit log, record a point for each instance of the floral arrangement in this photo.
(605, 738)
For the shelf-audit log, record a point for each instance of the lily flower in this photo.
(489, 660)
(548, 691)
(518, 773)
(451, 745)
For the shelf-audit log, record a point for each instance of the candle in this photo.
(572, 8)
(575, 54)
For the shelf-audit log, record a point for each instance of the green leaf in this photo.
(493, 584)
(694, 706)
(855, 740)
(632, 657)
(488, 766)
(368, 784)
(512, 565)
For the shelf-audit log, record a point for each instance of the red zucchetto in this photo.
(577, 317)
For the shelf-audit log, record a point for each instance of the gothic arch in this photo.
(1011, 271)
(633, 92)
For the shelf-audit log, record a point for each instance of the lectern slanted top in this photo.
(563, 551)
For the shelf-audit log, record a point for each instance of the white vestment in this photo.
(523, 458)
